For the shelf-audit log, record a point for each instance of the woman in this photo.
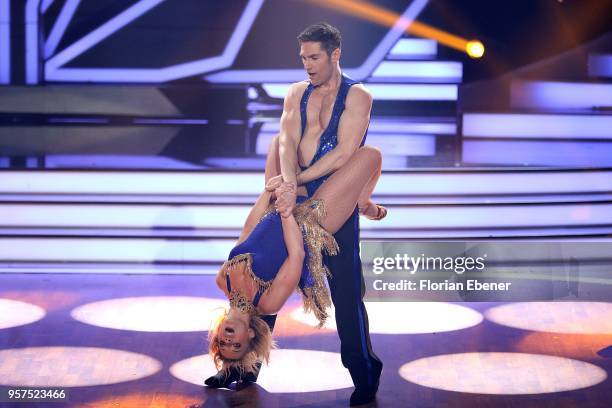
(280, 250)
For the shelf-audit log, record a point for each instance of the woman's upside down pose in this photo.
(279, 251)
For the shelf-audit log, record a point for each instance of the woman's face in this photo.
(234, 336)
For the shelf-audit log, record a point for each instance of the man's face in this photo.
(318, 65)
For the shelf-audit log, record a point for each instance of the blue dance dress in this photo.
(264, 252)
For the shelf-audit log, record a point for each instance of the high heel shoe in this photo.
(381, 212)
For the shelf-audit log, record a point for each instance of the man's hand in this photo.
(274, 183)
(286, 195)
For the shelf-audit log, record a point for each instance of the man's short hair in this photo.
(324, 33)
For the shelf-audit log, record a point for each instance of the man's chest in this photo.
(319, 110)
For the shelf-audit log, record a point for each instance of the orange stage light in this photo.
(382, 16)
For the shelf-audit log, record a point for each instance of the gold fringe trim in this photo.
(261, 284)
(240, 302)
(309, 215)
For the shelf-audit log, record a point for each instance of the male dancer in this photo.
(323, 123)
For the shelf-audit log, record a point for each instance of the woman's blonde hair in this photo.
(258, 350)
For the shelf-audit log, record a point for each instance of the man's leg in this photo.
(347, 289)
(340, 193)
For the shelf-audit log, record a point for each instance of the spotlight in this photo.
(475, 49)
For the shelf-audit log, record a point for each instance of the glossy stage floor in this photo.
(140, 341)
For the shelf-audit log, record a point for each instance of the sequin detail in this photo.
(240, 302)
(316, 298)
(309, 215)
(247, 258)
(329, 138)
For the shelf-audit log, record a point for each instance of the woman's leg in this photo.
(273, 164)
(273, 160)
(366, 206)
(350, 184)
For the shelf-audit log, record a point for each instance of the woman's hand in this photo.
(285, 202)
(274, 183)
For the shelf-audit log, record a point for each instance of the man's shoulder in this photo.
(297, 88)
(359, 95)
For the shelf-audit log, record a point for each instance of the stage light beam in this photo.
(382, 16)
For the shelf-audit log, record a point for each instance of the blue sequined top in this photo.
(267, 249)
(329, 138)
(264, 251)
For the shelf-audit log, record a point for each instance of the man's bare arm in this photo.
(352, 127)
(290, 135)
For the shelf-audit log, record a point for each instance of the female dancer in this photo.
(279, 251)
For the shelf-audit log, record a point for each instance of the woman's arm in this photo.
(220, 280)
(288, 275)
(257, 211)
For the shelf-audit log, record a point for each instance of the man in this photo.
(323, 123)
